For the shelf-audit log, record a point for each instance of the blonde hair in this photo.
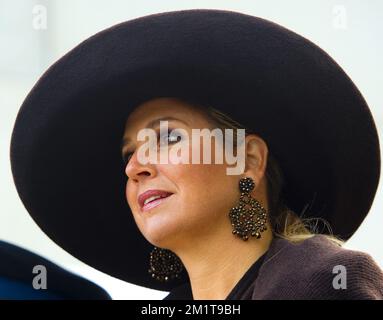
(285, 222)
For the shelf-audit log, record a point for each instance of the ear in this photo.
(256, 153)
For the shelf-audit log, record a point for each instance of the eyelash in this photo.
(126, 157)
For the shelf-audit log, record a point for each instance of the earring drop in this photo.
(248, 218)
(164, 265)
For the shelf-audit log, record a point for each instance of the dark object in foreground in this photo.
(16, 278)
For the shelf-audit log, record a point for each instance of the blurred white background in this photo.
(35, 33)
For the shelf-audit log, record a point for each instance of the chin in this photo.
(160, 238)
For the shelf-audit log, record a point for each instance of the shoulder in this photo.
(317, 268)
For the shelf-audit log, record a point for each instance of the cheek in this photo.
(205, 190)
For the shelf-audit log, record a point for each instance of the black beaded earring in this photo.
(249, 216)
(164, 265)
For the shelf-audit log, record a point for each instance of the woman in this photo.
(309, 152)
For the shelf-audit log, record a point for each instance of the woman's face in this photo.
(201, 194)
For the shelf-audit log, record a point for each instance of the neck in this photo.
(217, 262)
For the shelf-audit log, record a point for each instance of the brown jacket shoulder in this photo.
(316, 268)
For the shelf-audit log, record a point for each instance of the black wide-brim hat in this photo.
(65, 148)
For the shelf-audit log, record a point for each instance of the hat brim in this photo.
(65, 148)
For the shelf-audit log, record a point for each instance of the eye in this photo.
(171, 137)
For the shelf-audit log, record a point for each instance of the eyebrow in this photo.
(152, 124)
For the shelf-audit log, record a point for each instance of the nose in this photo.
(135, 170)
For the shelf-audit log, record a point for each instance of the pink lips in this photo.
(154, 203)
